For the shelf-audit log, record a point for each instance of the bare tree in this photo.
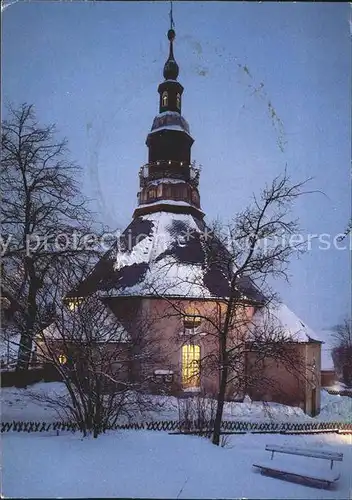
(347, 231)
(44, 218)
(259, 248)
(247, 253)
(104, 363)
(342, 353)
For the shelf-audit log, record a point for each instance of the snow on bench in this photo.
(313, 472)
(305, 452)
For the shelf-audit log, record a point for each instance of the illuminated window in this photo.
(164, 99)
(191, 366)
(178, 101)
(62, 359)
(73, 303)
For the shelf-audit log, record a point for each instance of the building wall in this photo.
(172, 335)
(295, 381)
(313, 377)
(273, 381)
(158, 333)
(328, 378)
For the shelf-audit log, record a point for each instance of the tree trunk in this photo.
(26, 342)
(220, 406)
(223, 358)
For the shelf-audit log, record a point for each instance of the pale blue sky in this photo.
(93, 68)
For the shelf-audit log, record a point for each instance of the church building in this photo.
(159, 269)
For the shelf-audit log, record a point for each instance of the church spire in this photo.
(169, 182)
(171, 67)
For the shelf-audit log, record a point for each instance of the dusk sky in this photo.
(93, 68)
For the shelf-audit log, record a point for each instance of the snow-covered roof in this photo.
(179, 203)
(106, 331)
(165, 275)
(163, 253)
(327, 362)
(326, 349)
(281, 317)
(170, 120)
(178, 128)
(168, 113)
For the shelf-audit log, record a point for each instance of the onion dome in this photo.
(171, 67)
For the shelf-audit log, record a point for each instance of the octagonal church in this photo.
(157, 276)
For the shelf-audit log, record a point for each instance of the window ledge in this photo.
(191, 332)
(191, 389)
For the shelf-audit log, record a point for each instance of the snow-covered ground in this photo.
(17, 404)
(150, 464)
(335, 407)
(156, 464)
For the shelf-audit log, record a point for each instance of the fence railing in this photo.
(227, 426)
(342, 392)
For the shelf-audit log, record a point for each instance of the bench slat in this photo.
(328, 455)
(327, 476)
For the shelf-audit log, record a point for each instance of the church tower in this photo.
(169, 181)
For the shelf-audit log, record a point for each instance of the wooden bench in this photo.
(312, 473)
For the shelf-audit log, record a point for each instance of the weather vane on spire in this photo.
(172, 24)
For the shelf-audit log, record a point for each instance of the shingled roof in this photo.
(163, 254)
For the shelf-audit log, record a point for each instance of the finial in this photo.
(171, 66)
(172, 24)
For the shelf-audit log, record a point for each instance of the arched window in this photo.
(151, 194)
(178, 101)
(195, 198)
(164, 99)
(191, 367)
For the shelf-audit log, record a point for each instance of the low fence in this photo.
(344, 392)
(194, 427)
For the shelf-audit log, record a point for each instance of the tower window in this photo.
(151, 194)
(178, 101)
(195, 197)
(164, 99)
